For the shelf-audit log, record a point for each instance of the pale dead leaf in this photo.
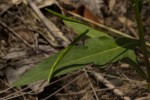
(14, 53)
(15, 69)
(130, 24)
(126, 21)
(26, 34)
(38, 86)
(14, 74)
(111, 4)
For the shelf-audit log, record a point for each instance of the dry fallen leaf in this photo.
(13, 74)
(94, 6)
(83, 11)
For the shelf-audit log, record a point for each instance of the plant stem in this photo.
(141, 37)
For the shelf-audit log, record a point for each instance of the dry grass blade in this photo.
(50, 26)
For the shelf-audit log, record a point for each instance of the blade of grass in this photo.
(63, 17)
(141, 36)
(62, 54)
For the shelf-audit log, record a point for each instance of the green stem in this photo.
(62, 54)
(141, 37)
(63, 17)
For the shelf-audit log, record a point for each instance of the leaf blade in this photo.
(101, 53)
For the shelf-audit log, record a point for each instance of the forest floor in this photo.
(27, 38)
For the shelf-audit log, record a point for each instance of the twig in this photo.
(109, 85)
(81, 92)
(91, 84)
(100, 25)
(104, 27)
(13, 95)
(4, 10)
(143, 98)
(42, 18)
(50, 26)
(63, 87)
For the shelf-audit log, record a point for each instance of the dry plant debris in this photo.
(28, 34)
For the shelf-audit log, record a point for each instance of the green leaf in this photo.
(80, 28)
(131, 57)
(99, 51)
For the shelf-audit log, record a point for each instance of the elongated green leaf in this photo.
(79, 28)
(100, 51)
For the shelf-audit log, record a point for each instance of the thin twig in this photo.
(143, 98)
(13, 95)
(63, 86)
(82, 92)
(42, 18)
(91, 84)
(104, 26)
(50, 26)
(109, 85)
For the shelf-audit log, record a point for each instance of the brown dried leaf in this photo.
(83, 11)
(94, 6)
(26, 35)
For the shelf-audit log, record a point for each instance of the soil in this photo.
(25, 41)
